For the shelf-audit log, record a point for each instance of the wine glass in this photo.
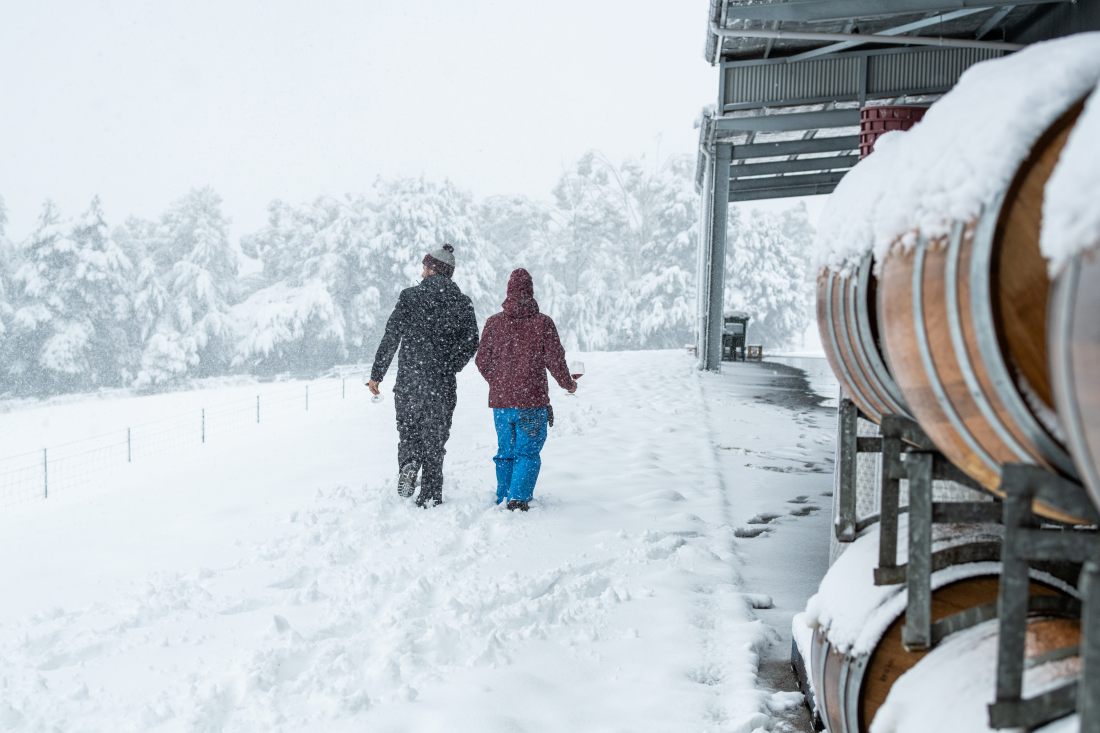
(374, 398)
(576, 370)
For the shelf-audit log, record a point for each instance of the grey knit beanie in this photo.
(441, 260)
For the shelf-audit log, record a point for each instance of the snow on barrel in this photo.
(857, 655)
(929, 262)
(951, 689)
(1071, 243)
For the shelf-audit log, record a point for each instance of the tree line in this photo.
(85, 304)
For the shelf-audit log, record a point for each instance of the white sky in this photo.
(140, 101)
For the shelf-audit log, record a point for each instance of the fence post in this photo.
(204, 424)
(128, 451)
(45, 475)
(257, 408)
(307, 398)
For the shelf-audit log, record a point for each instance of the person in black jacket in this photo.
(435, 325)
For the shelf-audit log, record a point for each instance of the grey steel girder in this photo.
(804, 165)
(808, 11)
(797, 147)
(789, 122)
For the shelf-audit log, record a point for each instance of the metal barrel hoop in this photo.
(848, 382)
(874, 357)
(867, 394)
(1064, 298)
(985, 332)
(929, 364)
(954, 322)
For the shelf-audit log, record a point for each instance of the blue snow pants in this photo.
(520, 437)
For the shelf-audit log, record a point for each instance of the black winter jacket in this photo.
(436, 327)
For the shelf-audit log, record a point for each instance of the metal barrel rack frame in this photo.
(1029, 549)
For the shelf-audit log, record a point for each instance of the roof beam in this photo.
(789, 122)
(805, 189)
(779, 182)
(993, 22)
(804, 165)
(808, 11)
(865, 38)
(797, 147)
(897, 31)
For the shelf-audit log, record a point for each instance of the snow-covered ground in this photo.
(273, 580)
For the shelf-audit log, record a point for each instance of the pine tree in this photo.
(414, 217)
(69, 326)
(313, 307)
(766, 265)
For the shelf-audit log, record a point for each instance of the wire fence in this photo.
(39, 474)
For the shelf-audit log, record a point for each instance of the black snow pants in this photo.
(423, 426)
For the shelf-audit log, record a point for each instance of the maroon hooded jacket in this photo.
(517, 347)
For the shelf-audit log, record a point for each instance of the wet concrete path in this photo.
(777, 473)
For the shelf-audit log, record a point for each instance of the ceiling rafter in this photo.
(897, 31)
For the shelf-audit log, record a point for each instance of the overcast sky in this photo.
(139, 101)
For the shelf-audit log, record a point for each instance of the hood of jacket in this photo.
(520, 302)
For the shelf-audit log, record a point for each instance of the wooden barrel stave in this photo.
(1074, 337)
(851, 689)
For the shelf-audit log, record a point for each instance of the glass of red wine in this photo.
(576, 370)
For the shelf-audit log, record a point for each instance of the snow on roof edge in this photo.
(960, 156)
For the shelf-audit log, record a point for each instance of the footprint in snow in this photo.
(764, 518)
(799, 499)
(749, 532)
(804, 511)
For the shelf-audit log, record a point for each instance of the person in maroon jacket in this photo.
(517, 347)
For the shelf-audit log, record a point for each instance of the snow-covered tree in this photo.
(766, 273)
(69, 327)
(317, 303)
(184, 284)
(416, 216)
(612, 256)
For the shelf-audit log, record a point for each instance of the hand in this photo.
(574, 387)
(373, 387)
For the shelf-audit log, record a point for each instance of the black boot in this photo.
(521, 505)
(406, 479)
(425, 502)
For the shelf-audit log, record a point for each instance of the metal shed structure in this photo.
(793, 76)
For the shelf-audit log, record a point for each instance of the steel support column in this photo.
(716, 283)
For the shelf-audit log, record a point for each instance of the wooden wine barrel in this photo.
(856, 652)
(956, 681)
(1074, 352)
(850, 688)
(964, 328)
(847, 316)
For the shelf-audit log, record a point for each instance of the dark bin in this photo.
(734, 326)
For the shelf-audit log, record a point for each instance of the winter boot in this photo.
(426, 501)
(514, 505)
(406, 479)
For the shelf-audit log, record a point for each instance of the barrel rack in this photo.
(1071, 554)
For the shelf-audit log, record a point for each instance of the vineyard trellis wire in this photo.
(38, 474)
